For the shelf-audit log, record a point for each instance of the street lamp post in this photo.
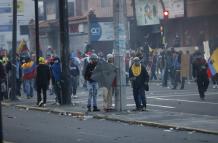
(12, 93)
(64, 45)
(120, 43)
(37, 31)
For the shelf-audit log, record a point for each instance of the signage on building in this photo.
(5, 7)
(147, 12)
(5, 28)
(175, 8)
(101, 31)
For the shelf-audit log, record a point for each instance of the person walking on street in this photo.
(215, 80)
(74, 73)
(108, 91)
(185, 68)
(200, 74)
(2, 81)
(139, 78)
(28, 74)
(42, 81)
(92, 85)
(56, 76)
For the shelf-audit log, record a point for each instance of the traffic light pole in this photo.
(1, 128)
(120, 43)
(64, 45)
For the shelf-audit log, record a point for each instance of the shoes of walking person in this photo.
(89, 110)
(202, 98)
(40, 104)
(214, 86)
(74, 96)
(95, 109)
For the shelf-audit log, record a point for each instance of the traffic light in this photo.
(165, 14)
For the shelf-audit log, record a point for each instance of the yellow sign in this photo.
(214, 59)
(20, 6)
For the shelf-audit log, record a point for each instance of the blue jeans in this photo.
(28, 87)
(92, 87)
(139, 97)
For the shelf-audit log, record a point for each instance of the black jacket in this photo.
(88, 71)
(140, 80)
(43, 75)
(200, 68)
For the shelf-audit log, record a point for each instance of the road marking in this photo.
(131, 105)
(185, 94)
(204, 102)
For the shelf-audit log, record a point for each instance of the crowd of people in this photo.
(176, 66)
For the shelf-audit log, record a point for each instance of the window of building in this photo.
(85, 5)
(71, 9)
(105, 3)
(24, 30)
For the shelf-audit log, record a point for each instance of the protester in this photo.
(42, 81)
(200, 74)
(108, 91)
(28, 75)
(18, 76)
(91, 84)
(2, 81)
(74, 73)
(56, 76)
(185, 68)
(139, 78)
(215, 80)
(176, 65)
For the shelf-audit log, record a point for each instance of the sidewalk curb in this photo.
(81, 115)
(155, 124)
(6, 104)
(54, 111)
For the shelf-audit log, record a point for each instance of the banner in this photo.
(147, 12)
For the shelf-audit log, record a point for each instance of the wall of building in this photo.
(25, 14)
(101, 11)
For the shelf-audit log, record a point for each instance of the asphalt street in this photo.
(162, 98)
(25, 126)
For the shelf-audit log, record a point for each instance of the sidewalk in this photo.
(161, 119)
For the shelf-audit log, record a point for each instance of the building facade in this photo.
(197, 24)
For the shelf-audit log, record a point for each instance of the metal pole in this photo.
(120, 44)
(37, 31)
(12, 93)
(1, 128)
(64, 45)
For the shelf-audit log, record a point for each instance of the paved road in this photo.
(24, 126)
(159, 98)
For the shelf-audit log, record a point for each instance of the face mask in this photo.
(137, 63)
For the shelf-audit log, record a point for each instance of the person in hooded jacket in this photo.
(199, 72)
(56, 76)
(42, 81)
(139, 78)
(92, 84)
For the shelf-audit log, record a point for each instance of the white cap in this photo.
(109, 56)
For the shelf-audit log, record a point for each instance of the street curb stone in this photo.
(81, 115)
(155, 124)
